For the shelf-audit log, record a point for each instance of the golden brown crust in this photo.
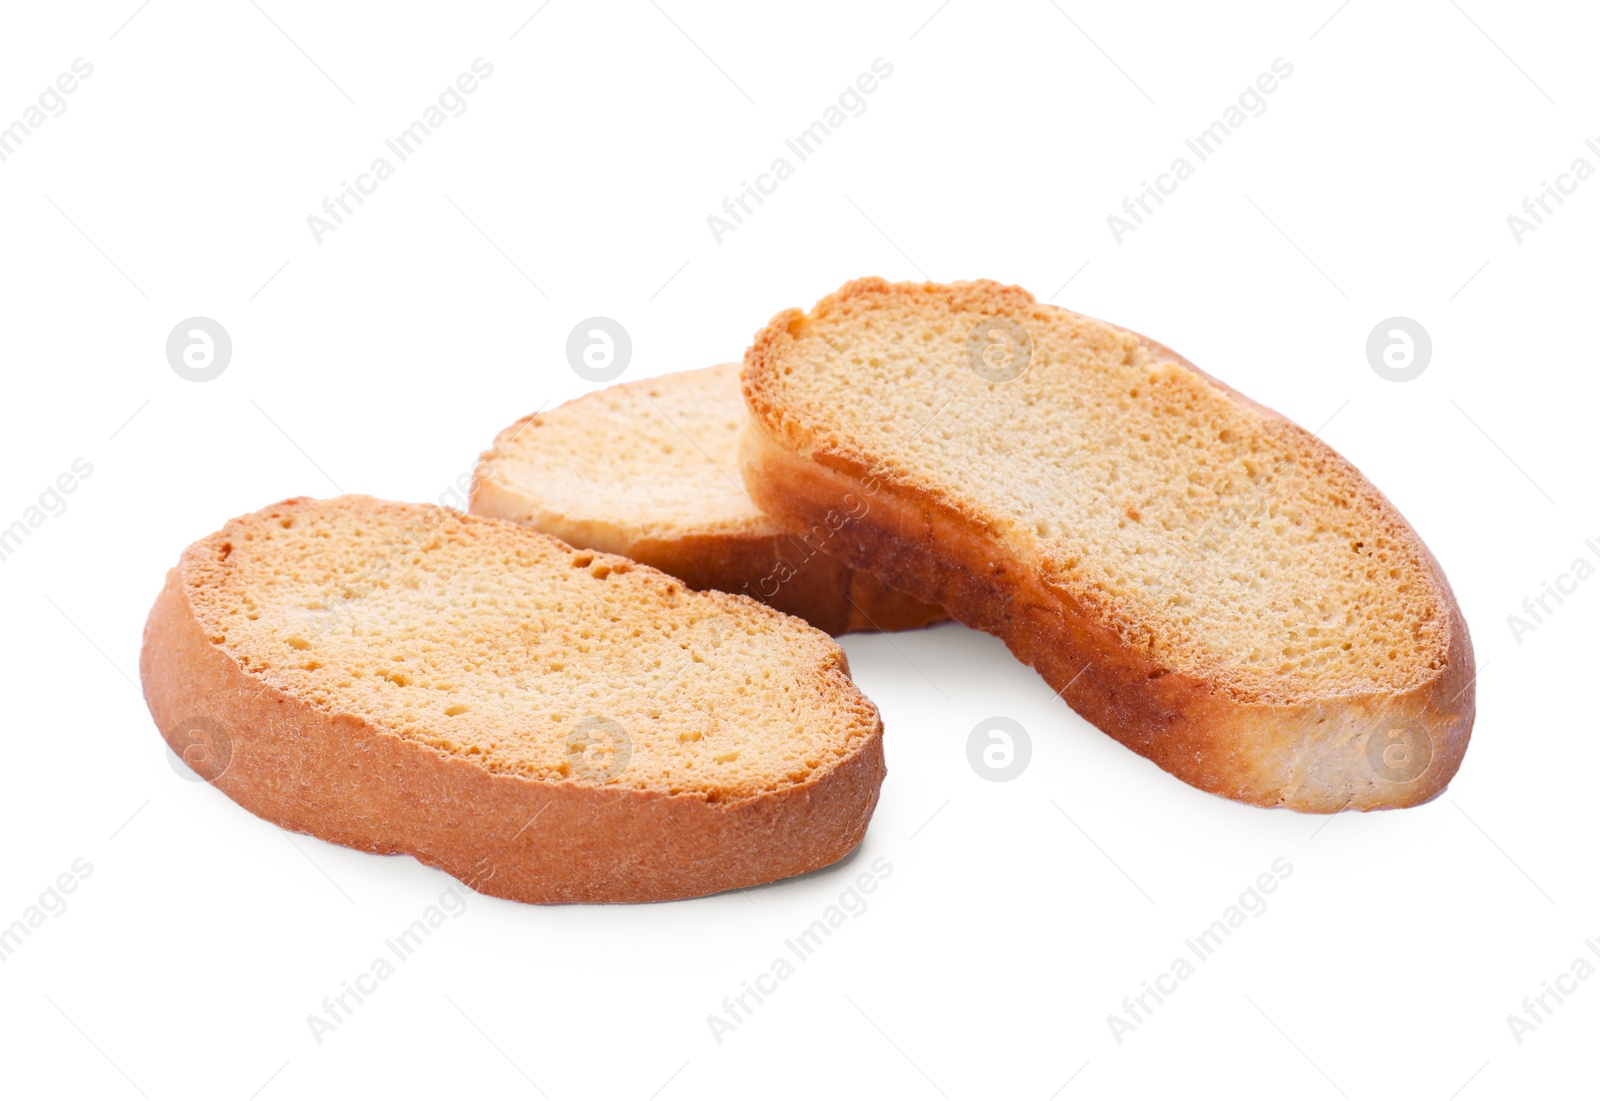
(784, 572)
(352, 782)
(1312, 754)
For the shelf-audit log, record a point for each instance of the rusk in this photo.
(1196, 575)
(650, 470)
(544, 724)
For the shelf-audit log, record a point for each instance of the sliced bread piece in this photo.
(543, 723)
(1202, 579)
(650, 470)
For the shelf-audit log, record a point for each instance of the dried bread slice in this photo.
(650, 470)
(543, 723)
(1197, 576)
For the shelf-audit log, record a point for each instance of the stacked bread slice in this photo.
(650, 470)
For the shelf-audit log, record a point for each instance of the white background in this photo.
(178, 182)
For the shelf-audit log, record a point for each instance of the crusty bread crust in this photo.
(758, 558)
(352, 782)
(823, 590)
(1312, 753)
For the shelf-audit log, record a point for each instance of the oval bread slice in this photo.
(1202, 579)
(650, 470)
(544, 724)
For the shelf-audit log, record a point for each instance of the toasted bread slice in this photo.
(650, 470)
(1197, 576)
(543, 723)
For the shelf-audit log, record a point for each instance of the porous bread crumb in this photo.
(660, 454)
(493, 643)
(1219, 540)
